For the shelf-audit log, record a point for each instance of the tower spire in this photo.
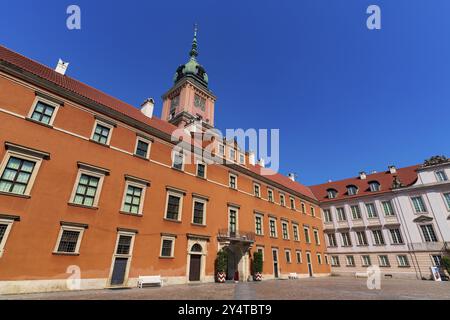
(194, 51)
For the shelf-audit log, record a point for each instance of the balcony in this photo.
(373, 222)
(236, 236)
(429, 246)
(357, 223)
(328, 226)
(342, 224)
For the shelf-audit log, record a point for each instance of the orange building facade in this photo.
(92, 194)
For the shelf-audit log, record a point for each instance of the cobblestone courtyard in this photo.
(303, 289)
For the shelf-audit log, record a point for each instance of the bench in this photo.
(361, 275)
(150, 281)
(293, 276)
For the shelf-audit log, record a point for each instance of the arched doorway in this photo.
(195, 262)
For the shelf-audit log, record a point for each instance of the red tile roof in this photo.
(407, 176)
(104, 99)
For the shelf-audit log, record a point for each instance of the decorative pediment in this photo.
(422, 219)
(396, 183)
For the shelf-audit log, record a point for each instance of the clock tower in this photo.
(189, 103)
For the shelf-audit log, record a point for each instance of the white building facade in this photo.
(398, 220)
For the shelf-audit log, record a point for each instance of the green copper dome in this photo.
(192, 68)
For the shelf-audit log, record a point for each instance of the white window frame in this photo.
(365, 263)
(360, 243)
(196, 169)
(332, 242)
(270, 230)
(199, 200)
(133, 183)
(9, 224)
(303, 207)
(270, 195)
(82, 171)
(45, 101)
(349, 244)
(172, 249)
(374, 186)
(394, 241)
(292, 202)
(147, 156)
(348, 259)
(392, 214)
(298, 253)
(313, 211)
(376, 238)
(341, 217)
(235, 209)
(294, 229)
(257, 215)
(422, 201)
(446, 202)
(400, 262)
(327, 216)
(261, 250)
(283, 225)
(179, 194)
(335, 261)
(316, 236)
(230, 156)
(288, 253)
(257, 185)
(220, 147)
(282, 199)
(235, 180)
(356, 215)
(423, 235)
(384, 263)
(174, 152)
(80, 237)
(308, 237)
(22, 156)
(374, 214)
(319, 259)
(242, 158)
(444, 175)
(103, 124)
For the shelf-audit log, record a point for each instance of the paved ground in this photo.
(302, 289)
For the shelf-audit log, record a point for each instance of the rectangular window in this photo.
(437, 260)
(371, 211)
(319, 258)
(43, 112)
(378, 237)
(270, 195)
(441, 176)
(356, 212)
(303, 206)
(201, 170)
(167, 247)
(428, 233)
(233, 154)
(396, 236)
(124, 245)
(273, 228)
(261, 251)
(142, 148)
(307, 237)
(17, 175)
(288, 256)
(365, 259)
(341, 216)
(332, 240)
(283, 200)
(447, 200)
(346, 241)
(350, 261)
(86, 190)
(233, 181)
(292, 202)
(102, 133)
(335, 261)
(296, 235)
(313, 212)
(284, 227)
(133, 199)
(232, 221)
(362, 238)
(257, 190)
(198, 216)
(299, 256)
(384, 261)
(388, 209)
(173, 206)
(221, 149)
(259, 225)
(327, 215)
(178, 160)
(68, 242)
(316, 237)
(241, 158)
(5, 228)
(403, 261)
(418, 204)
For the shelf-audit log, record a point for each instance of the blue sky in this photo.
(345, 98)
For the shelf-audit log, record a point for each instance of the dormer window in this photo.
(374, 186)
(441, 176)
(332, 193)
(352, 190)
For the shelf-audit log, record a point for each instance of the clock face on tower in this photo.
(199, 102)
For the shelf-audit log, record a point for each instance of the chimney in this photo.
(291, 176)
(392, 169)
(251, 158)
(61, 67)
(374, 171)
(362, 175)
(147, 107)
(262, 163)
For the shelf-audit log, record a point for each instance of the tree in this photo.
(257, 262)
(221, 261)
(446, 263)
